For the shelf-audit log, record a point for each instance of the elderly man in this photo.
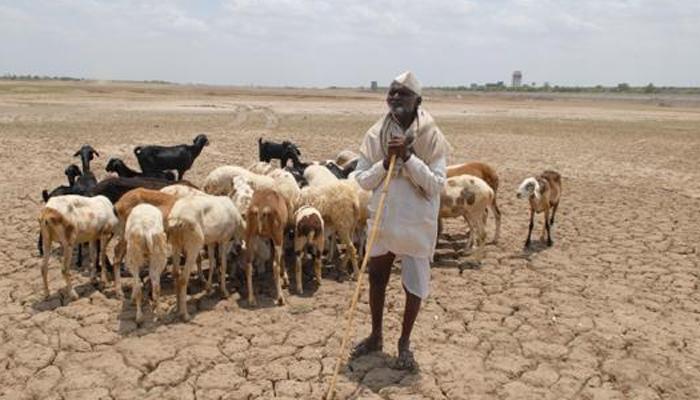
(408, 228)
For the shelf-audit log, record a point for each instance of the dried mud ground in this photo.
(611, 311)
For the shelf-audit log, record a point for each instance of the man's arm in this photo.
(369, 175)
(430, 178)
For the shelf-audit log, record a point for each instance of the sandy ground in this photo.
(611, 311)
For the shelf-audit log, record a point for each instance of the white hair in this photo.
(529, 187)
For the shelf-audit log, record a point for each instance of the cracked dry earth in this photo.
(611, 311)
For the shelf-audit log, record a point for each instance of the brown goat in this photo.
(489, 175)
(266, 218)
(543, 192)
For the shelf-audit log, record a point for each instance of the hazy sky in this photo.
(350, 43)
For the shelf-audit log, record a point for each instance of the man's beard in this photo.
(400, 112)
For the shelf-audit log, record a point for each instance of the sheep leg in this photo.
(317, 266)
(283, 271)
(119, 251)
(46, 248)
(332, 247)
(350, 253)
(547, 227)
(176, 274)
(470, 239)
(190, 259)
(480, 233)
(223, 252)
(554, 212)
(156, 265)
(40, 245)
(212, 264)
(249, 281)
(67, 257)
(318, 249)
(92, 263)
(469, 244)
(497, 215)
(116, 270)
(297, 270)
(529, 231)
(276, 265)
(136, 290)
(299, 253)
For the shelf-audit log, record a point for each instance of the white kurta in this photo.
(408, 227)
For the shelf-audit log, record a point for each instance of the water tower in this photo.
(517, 79)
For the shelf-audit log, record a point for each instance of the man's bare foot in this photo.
(405, 360)
(367, 346)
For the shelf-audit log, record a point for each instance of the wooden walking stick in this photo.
(358, 287)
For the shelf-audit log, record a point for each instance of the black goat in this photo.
(350, 167)
(119, 167)
(72, 172)
(334, 168)
(85, 182)
(284, 152)
(115, 188)
(298, 174)
(86, 154)
(162, 158)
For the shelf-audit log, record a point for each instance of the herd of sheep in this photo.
(255, 214)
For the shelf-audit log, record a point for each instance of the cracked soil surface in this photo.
(611, 311)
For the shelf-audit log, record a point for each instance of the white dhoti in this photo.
(415, 271)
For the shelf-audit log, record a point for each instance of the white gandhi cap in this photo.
(409, 80)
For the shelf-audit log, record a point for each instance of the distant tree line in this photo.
(14, 77)
(620, 88)
(29, 77)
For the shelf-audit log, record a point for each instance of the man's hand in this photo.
(397, 147)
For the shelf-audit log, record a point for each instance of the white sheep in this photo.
(364, 197)
(72, 220)
(318, 175)
(543, 193)
(145, 241)
(467, 196)
(308, 239)
(286, 185)
(180, 191)
(345, 156)
(339, 206)
(197, 221)
(220, 181)
(261, 167)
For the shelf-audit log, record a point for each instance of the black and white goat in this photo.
(284, 152)
(163, 158)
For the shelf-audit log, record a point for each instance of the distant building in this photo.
(517, 79)
(374, 86)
